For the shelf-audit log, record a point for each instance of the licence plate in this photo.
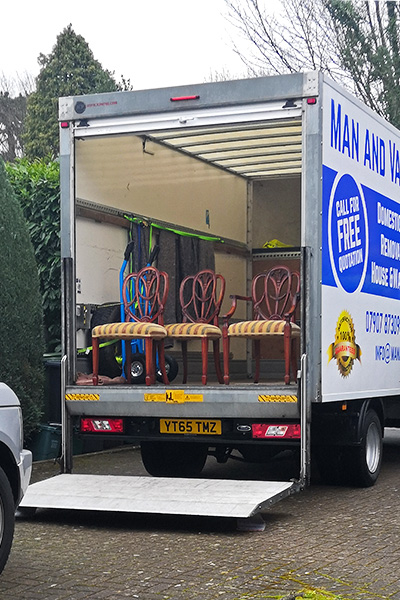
(191, 426)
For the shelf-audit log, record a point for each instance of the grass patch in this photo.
(305, 594)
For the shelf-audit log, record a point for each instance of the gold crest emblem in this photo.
(344, 349)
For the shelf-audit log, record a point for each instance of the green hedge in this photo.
(37, 187)
(21, 324)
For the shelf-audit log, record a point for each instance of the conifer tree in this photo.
(21, 327)
(70, 69)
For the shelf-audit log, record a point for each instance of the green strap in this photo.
(89, 348)
(151, 238)
(183, 233)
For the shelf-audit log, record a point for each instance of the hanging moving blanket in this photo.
(181, 256)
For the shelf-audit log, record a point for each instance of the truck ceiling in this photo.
(255, 150)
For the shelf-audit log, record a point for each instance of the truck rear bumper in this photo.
(246, 401)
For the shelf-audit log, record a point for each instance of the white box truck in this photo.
(293, 158)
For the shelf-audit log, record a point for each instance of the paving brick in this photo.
(342, 540)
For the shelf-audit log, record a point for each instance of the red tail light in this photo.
(275, 431)
(91, 425)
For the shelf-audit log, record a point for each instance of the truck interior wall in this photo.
(161, 184)
(276, 211)
(99, 254)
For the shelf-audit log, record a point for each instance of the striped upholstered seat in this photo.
(189, 331)
(129, 331)
(255, 329)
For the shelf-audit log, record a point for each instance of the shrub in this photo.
(37, 187)
(21, 324)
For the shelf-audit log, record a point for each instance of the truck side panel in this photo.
(360, 251)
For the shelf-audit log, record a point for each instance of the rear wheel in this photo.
(138, 369)
(173, 459)
(364, 461)
(171, 368)
(7, 518)
(354, 465)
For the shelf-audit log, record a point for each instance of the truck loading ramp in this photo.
(162, 495)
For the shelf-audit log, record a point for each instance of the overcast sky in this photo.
(153, 43)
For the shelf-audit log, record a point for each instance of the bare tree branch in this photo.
(12, 115)
(20, 83)
(356, 42)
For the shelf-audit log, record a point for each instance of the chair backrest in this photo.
(275, 293)
(144, 295)
(201, 297)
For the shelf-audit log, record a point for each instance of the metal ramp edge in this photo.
(162, 495)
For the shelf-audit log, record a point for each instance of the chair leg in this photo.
(225, 353)
(204, 360)
(150, 361)
(128, 360)
(257, 354)
(95, 360)
(286, 349)
(161, 360)
(184, 361)
(217, 361)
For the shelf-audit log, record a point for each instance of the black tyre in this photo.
(7, 519)
(109, 354)
(171, 367)
(173, 459)
(138, 369)
(354, 465)
(364, 461)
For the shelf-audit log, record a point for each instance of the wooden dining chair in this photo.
(144, 295)
(200, 298)
(274, 296)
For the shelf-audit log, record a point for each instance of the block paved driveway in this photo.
(341, 540)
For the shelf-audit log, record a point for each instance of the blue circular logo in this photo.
(348, 234)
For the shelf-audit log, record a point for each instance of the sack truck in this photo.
(282, 170)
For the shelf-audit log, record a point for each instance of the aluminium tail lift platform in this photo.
(164, 495)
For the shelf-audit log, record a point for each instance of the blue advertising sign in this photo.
(362, 235)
